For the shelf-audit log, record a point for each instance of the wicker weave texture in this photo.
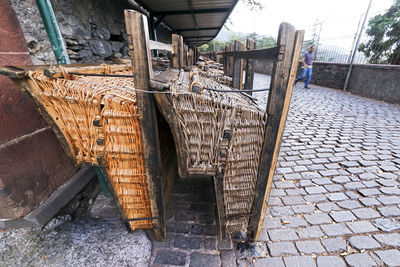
(98, 118)
(202, 119)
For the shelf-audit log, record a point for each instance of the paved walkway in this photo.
(335, 198)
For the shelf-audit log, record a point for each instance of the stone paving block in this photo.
(317, 218)
(391, 240)
(310, 247)
(389, 200)
(366, 213)
(277, 192)
(293, 200)
(390, 190)
(387, 182)
(282, 235)
(355, 170)
(387, 175)
(369, 201)
(349, 204)
(199, 229)
(270, 222)
(170, 257)
(387, 224)
(342, 216)
(360, 227)
(187, 242)
(349, 164)
(285, 184)
(333, 187)
(330, 261)
(302, 209)
(315, 190)
(201, 260)
(295, 192)
(274, 201)
(334, 244)
(360, 260)
(389, 211)
(327, 206)
(369, 192)
(283, 170)
(292, 176)
(299, 261)
(268, 262)
(336, 196)
(363, 242)
(341, 179)
(281, 211)
(225, 243)
(335, 229)
(178, 228)
(354, 185)
(352, 195)
(389, 257)
(322, 181)
(311, 175)
(370, 184)
(329, 173)
(305, 183)
(293, 221)
(310, 232)
(315, 198)
(298, 169)
(281, 248)
(228, 258)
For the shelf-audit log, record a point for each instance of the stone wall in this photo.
(94, 30)
(380, 82)
(263, 66)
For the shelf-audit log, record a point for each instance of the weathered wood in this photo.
(138, 38)
(282, 82)
(17, 72)
(250, 45)
(272, 53)
(219, 197)
(237, 66)
(225, 58)
(175, 57)
(161, 46)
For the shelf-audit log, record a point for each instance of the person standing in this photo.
(307, 66)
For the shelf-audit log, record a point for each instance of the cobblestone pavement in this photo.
(335, 198)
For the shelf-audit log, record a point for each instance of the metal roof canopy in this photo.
(198, 21)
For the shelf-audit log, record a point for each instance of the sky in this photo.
(339, 17)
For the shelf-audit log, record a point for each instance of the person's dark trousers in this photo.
(306, 72)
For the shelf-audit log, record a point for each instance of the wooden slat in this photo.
(237, 66)
(250, 45)
(282, 82)
(161, 46)
(273, 53)
(138, 38)
(17, 72)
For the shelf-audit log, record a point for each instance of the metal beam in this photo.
(195, 11)
(159, 20)
(198, 29)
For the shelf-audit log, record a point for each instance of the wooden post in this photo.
(282, 82)
(138, 38)
(225, 58)
(237, 66)
(250, 45)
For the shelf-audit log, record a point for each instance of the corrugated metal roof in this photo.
(198, 21)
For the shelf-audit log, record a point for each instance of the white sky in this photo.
(341, 16)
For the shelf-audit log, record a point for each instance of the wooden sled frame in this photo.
(285, 56)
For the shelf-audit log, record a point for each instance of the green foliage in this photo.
(384, 30)
(253, 5)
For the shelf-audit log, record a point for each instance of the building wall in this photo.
(94, 30)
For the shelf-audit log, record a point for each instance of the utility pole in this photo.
(356, 46)
(355, 38)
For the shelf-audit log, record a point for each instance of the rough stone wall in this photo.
(263, 66)
(381, 82)
(94, 30)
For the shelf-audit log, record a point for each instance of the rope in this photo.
(237, 91)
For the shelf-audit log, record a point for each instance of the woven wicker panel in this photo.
(202, 119)
(74, 104)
